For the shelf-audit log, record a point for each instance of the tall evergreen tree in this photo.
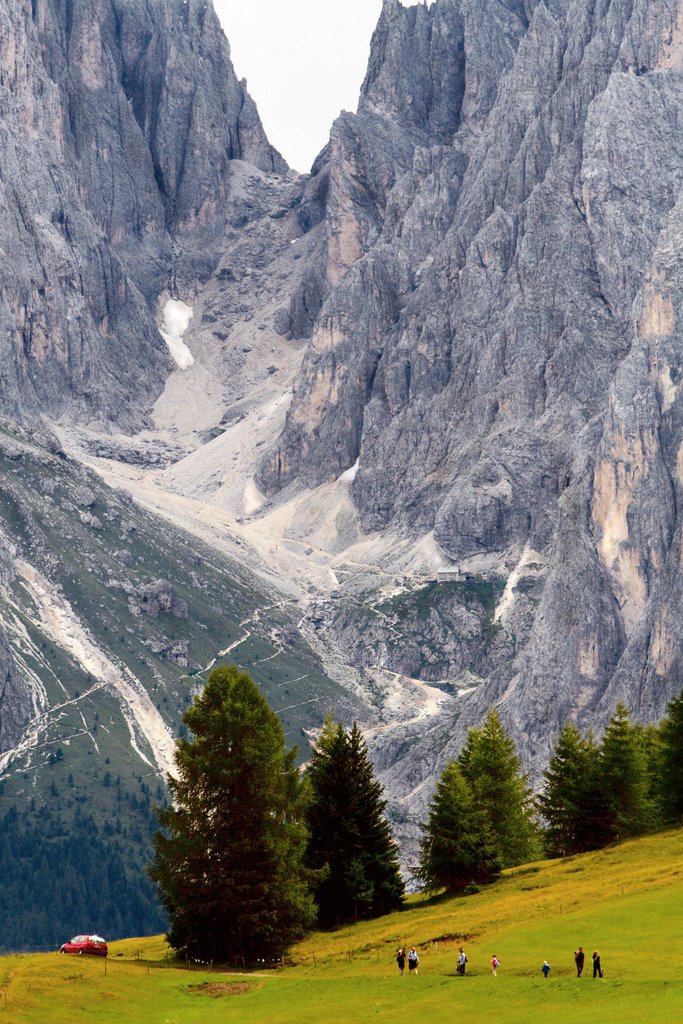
(623, 777)
(493, 770)
(350, 839)
(650, 739)
(572, 802)
(671, 732)
(458, 845)
(229, 863)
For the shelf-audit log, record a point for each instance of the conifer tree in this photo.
(350, 839)
(650, 739)
(493, 770)
(229, 863)
(623, 777)
(572, 802)
(671, 786)
(457, 845)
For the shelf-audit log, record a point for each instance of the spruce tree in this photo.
(671, 770)
(229, 861)
(650, 739)
(493, 770)
(572, 802)
(458, 845)
(350, 843)
(623, 777)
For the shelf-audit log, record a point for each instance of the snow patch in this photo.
(253, 500)
(177, 316)
(349, 475)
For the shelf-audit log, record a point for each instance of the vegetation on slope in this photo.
(627, 900)
(87, 766)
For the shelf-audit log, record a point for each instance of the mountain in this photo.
(119, 125)
(402, 436)
(500, 361)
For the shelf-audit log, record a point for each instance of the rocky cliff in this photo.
(119, 124)
(500, 348)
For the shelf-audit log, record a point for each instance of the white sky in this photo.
(304, 61)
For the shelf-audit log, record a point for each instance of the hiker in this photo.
(495, 964)
(413, 960)
(597, 969)
(462, 960)
(579, 958)
(545, 968)
(401, 959)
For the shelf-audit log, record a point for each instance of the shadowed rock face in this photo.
(500, 345)
(119, 122)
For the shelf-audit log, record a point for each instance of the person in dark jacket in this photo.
(401, 959)
(579, 958)
(597, 969)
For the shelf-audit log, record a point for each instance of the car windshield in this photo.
(80, 938)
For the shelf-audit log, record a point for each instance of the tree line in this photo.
(483, 816)
(252, 852)
(628, 783)
(50, 870)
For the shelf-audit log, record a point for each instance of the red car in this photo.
(86, 944)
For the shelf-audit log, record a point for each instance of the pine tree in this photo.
(623, 776)
(572, 803)
(458, 845)
(493, 770)
(229, 861)
(671, 771)
(350, 839)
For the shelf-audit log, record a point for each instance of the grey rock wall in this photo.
(500, 346)
(119, 123)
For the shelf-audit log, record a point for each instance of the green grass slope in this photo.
(627, 901)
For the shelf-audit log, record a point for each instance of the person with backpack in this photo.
(545, 968)
(413, 960)
(495, 964)
(462, 961)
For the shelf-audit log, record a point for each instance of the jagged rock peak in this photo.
(498, 355)
(120, 121)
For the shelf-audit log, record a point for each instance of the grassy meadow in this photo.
(627, 900)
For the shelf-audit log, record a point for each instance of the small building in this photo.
(448, 574)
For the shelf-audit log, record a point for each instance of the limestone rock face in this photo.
(157, 598)
(118, 125)
(500, 344)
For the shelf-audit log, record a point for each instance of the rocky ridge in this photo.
(119, 125)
